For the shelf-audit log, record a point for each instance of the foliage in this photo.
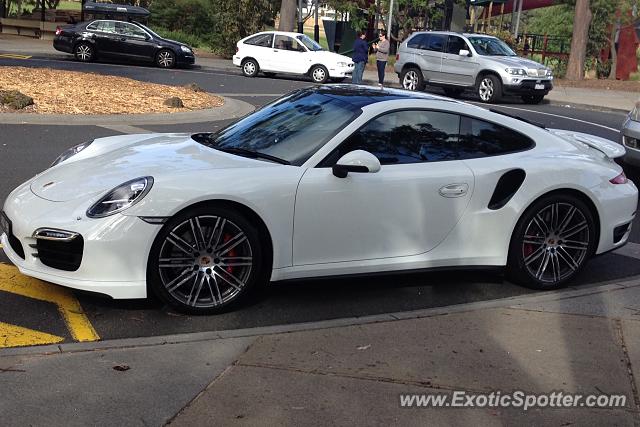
(182, 37)
(187, 16)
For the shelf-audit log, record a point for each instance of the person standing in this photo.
(382, 56)
(360, 57)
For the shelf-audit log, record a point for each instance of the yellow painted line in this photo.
(17, 336)
(12, 281)
(14, 56)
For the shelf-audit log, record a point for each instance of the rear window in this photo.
(482, 139)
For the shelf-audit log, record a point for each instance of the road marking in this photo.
(12, 281)
(17, 336)
(14, 56)
(553, 115)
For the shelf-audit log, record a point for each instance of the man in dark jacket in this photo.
(360, 57)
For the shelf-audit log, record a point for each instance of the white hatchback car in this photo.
(291, 53)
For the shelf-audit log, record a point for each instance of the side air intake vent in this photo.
(506, 187)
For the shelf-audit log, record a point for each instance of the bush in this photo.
(14, 99)
(190, 39)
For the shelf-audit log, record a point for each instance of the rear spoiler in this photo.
(609, 148)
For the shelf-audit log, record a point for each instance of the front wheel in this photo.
(532, 99)
(319, 74)
(489, 88)
(165, 59)
(205, 260)
(551, 242)
(411, 79)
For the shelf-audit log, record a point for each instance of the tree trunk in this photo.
(288, 11)
(614, 54)
(581, 22)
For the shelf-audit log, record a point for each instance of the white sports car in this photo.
(330, 180)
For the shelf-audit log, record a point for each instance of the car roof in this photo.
(283, 33)
(360, 95)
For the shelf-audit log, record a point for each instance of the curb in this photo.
(231, 109)
(323, 324)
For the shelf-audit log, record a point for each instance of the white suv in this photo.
(291, 53)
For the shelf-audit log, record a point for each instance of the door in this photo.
(429, 56)
(407, 208)
(458, 69)
(104, 34)
(289, 55)
(259, 47)
(133, 42)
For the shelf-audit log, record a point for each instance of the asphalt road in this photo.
(28, 149)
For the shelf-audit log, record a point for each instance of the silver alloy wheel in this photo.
(249, 68)
(410, 80)
(319, 75)
(486, 89)
(84, 52)
(205, 261)
(556, 242)
(165, 59)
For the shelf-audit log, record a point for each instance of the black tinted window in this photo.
(405, 137)
(436, 42)
(263, 40)
(480, 139)
(456, 44)
(418, 42)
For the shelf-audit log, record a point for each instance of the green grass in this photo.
(190, 39)
(69, 5)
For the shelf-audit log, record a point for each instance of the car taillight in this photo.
(620, 179)
(397, 56)
(58, 31)
(237, 49)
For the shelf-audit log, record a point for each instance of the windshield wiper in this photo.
(251, 154)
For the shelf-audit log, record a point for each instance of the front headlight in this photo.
(70, 153)
(516, 71)
(185, 49)
(549, 73)
(635, 113)
(342, 64)
(121, 197)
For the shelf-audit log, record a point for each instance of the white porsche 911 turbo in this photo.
(331, 180)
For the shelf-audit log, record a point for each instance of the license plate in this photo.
(5, 224)
(539, 87)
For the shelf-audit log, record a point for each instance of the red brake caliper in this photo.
(231, 253)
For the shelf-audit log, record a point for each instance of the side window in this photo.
(418, 41)
(107, 27)
(130, 30)
(93, 26)
(262, 40)
(436, 42)
(481, 139)
(456, 44)
(288, 43)
(402, 137)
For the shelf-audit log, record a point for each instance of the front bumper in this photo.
(617, 205)
(630, 138)
(184, 58)
(527, 87)
(114, 254)
(341, 72)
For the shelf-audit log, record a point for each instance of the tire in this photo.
(212, 272)
(560, 237)
(319, 74)
(489, 88)
(412, 79)
(165, 59)
(250, 67)
(532, 99)
(270, 75)
(84, 52)
(452, 92)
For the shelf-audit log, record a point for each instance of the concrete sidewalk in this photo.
(589, 98)
(347, 371)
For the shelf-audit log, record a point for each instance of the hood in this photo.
(325, 55)
(98, 169)
(176, 43)
(516, 62)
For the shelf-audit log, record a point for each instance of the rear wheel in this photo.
(165, 59)
(84, 52)
(250, 68)
(319, 74)
(532, 99)
(489, 88)
(551, 242)
(412, 79)
(205, 260)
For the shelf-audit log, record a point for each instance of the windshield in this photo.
(292, 128)
(309, 43)
(489, 46)
(150, 31)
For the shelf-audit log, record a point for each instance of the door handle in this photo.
(454, 190)
(275, 50)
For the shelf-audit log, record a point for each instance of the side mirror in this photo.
(358, 161)
(464, 52)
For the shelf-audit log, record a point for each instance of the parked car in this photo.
(328, 180)
(105, 38)
(290, 53)
(630, 135)
(459, 62)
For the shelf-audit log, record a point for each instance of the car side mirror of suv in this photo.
(464, 52)
(358, 161)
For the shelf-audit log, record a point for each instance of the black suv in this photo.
(123, 40)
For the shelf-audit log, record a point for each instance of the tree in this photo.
(288, 10)
(577, 57)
